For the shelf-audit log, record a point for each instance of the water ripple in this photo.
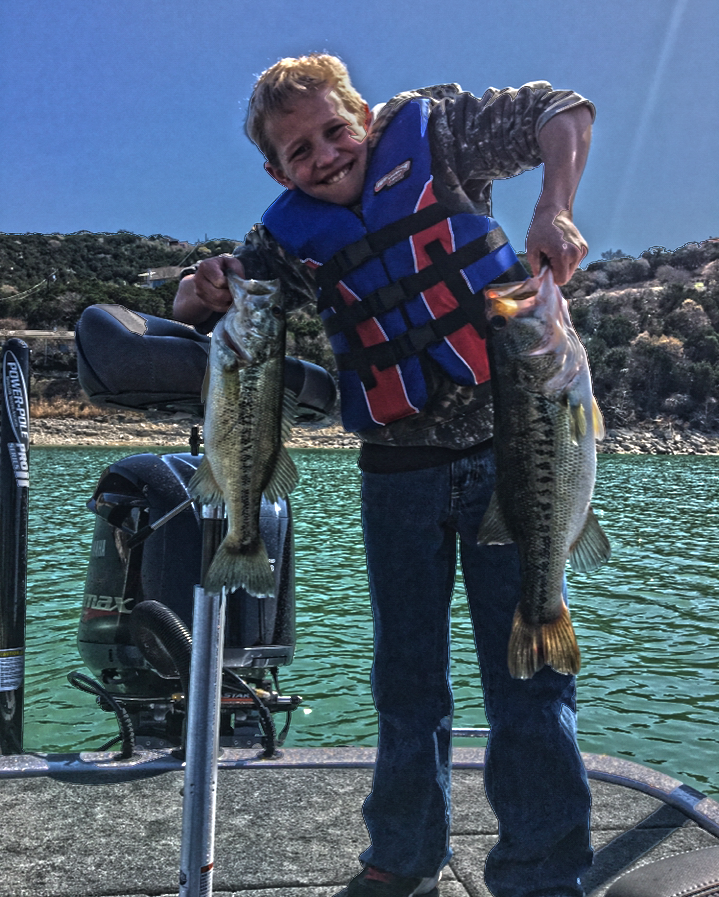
(647, 623)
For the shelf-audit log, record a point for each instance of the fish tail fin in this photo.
(239, 566)
(532, 645)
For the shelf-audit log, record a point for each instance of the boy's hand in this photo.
(554, 238)
(211, 281)
(206, 291)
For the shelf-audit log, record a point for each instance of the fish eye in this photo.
(497, 322)
(277, 311)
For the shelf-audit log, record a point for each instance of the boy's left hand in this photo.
(553, 237)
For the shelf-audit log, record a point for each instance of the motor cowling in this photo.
(132, 494)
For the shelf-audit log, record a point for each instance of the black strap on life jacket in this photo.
(445, 267)
(372, 245)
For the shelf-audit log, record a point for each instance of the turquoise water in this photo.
(647, 623)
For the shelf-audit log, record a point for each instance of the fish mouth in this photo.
(241, 353)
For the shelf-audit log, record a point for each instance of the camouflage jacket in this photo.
(473, 141)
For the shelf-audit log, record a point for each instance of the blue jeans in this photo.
(534, 776)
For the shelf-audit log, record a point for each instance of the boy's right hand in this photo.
(206, 291)
(211, 281)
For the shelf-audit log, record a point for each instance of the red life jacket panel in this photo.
(398, 284)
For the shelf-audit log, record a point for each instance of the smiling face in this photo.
(321, 148)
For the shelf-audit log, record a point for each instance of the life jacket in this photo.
(397, 283)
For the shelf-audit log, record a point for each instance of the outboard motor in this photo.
(143, 552)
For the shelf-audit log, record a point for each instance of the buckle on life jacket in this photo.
(356, 254)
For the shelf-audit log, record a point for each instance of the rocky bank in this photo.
(661, 437)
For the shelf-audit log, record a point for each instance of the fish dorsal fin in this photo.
(597, 420)
(284, 477)
(203, 485)
(592, 548)
(289, 414)
(493, 529)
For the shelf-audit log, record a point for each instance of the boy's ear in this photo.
(279, 176)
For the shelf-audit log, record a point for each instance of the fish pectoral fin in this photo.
(493, 529)
(597, 421)
(578, 422)
(284, 477)
(592, 548)
(203, 485)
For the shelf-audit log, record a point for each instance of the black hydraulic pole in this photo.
(14, 483)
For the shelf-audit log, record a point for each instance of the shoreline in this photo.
(661, 437)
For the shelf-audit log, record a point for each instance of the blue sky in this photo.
(127, 114)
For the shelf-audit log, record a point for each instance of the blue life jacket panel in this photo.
(397, 284)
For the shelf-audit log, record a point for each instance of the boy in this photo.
(385, 219)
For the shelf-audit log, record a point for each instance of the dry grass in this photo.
(62, 408)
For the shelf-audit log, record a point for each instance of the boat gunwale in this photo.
(103, 767)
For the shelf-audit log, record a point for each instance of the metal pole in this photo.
(14, 489)
(203, 729)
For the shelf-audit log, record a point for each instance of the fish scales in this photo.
(247, 418)
(546, 423)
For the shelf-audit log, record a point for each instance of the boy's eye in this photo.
(299, 152)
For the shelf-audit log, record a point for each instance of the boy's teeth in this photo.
(338, 176)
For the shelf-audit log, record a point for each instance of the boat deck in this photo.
(82, 825)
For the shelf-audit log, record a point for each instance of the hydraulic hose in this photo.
(266, 721)
(163, 639)
(286, 728)
(127, 733)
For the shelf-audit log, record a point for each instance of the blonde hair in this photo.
(289, 79)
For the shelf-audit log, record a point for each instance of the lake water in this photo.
(647, 623)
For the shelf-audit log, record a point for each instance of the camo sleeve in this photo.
(264, 259)
(476, 140)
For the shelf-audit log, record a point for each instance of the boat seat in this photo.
(127, 359)
(691, 874)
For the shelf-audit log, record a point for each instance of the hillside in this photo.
(47, 280)
(650, 325)
(651, 329)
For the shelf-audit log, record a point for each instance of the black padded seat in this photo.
(127, 359)
(131, 360)
(691, 874)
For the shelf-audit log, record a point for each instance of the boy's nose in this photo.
(326, 154)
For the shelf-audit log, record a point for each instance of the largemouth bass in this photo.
(546, 424)
(247, 418)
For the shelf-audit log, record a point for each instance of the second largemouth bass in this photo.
(546, 424)
(247, 418)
